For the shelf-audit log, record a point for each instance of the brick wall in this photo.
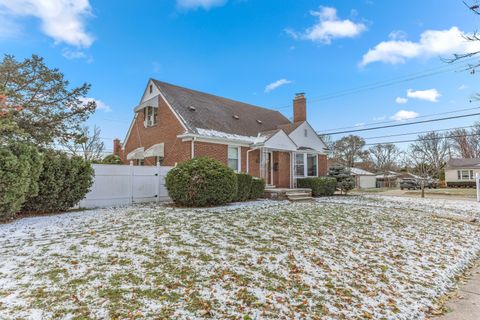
(166, 131)
(212, 150)
(322, 165)
(281, 172)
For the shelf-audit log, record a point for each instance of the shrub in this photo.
(244, 186)
(19, 169)
(321, 186)
(201, 182)
(462, 184)
(258, 188)
(111, 159)
(345, 181)
(63, 182)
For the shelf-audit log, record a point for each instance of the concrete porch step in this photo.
(300, 198)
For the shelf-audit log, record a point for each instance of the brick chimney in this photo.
(117, 146)
(299, 108)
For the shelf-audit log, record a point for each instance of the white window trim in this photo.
(471, 175)
(148, 116)
(305, 165)
(239, 157)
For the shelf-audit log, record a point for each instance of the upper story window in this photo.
(234, 158)
(305, 133)
(150, 116)
(150, 88)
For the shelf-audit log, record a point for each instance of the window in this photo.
(150, 116)
(305, 133)
(151, 88)
(233, 158)
(465, 174)
(158, 160)
(306, 165)
(299, 165)
(140, 162)
(472, 177)
(312, 165)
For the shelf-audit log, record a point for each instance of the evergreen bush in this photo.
(258, 189)
(321, 186)
(244, 186)
(201, 182)
(63, 182)
(345, 181)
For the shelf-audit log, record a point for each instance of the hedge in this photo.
(258, 189)
(63, 182)
(321, 186)
(462, 184)
(244, 186)
(201, 182)
(19, 169)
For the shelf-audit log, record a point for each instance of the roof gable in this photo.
(202, 110)
(310, 140)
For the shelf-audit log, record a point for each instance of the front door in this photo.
(269, 168)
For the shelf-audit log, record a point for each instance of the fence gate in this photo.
(116, 185)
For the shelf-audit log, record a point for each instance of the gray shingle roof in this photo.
(454, 163)
(218, 113)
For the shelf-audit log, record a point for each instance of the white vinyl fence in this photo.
(116, 185)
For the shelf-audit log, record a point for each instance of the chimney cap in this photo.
(299, 94)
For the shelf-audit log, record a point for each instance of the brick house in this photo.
(174, 124)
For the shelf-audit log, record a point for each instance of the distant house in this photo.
(363, 178)
(461, 172)
(172, 124)
(389, 179)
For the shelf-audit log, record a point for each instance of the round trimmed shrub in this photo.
(201, 182)
(244, 186)
(258, 189)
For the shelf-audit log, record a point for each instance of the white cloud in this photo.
(76, 54)
(204, 4)
(100, 104)
(463, 87)
(62, 20)
(431, 95)
(277, 84)
(329, 27)
(404, 115)
(361, 124)
(401, 100)
(431, 43)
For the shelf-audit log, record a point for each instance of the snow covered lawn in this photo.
(337, 258)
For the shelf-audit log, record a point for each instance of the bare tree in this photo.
(418, 159)
(384, 157)
(90, 146)
(432, 150)
(349, 150)
(466, 143)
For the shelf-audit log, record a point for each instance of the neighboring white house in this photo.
(462, 171)
(363, 178)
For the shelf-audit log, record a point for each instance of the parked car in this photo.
(409, 183)
(431, 183)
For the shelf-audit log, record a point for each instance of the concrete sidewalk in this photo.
(466, 304)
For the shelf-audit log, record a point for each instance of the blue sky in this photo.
(260, 52)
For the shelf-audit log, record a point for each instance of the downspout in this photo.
(193, 147)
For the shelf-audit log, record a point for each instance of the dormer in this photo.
(148, 105)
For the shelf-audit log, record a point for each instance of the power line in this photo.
(405, 124)
(423, 139)
(385, 83)
(411, 133)
(324, 132)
